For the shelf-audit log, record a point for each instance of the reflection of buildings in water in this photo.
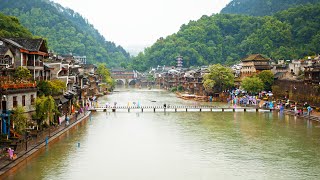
(107, 114)
(295, 119)
(287, 119)
(281, 116)
(309, 124)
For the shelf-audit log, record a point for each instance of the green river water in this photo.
(180, 146)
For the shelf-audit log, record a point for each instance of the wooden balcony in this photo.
(35, 63)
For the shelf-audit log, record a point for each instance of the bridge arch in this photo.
(132, 82)
(120, 82)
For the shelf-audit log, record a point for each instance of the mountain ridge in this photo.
(226, 38)
(66, 30)
(262, 7)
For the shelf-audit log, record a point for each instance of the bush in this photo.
(173, 89)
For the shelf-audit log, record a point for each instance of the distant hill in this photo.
(262, 7)
(66, 31)
(11, 27)
(227, 38)
(134, 50)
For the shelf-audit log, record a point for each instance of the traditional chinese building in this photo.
(12, 95)
(312, 74)
(253, 64)
(24, 52)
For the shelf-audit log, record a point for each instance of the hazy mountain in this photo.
(134, 50)
(227, 38)
(67, 31)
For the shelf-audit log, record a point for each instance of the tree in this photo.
(11, 27)
(45, 109)
(267, 79)
(150, 78)
(218, 79)
(103, 71)
(53, 87)
(252, 84)
(22, 73)
(19, 119)
(57, 86)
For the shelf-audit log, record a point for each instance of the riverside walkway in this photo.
(27, 149)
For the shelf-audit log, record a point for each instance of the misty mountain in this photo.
(227, 38)
(66, 31)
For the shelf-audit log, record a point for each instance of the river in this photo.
(182, 145)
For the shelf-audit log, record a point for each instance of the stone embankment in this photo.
(37, 145)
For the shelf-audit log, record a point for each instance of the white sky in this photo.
(140, 23)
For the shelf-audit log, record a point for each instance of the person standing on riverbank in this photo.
(281, 107)
(309, 108)
(10, 152)
(295, 109)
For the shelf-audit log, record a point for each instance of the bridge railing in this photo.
(168, 107)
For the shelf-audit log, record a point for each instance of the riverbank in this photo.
(8, 166)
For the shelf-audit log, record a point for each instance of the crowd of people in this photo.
(265, 100)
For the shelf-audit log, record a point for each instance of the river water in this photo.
(182, 145)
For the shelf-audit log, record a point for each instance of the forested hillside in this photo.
(66, 30)
(226, 38)
(11, 27)
(262, 7)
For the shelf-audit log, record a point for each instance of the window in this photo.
(15, 102)
(32, 99)
(23, 100)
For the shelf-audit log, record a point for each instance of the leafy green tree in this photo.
(267, 79)
(262, 7)
(103, 71)
(22, 73)
(11, 27)
(252, 84)
(123, 65)
(19, 119)
(53, 87)
(218, 79)
(45, 110)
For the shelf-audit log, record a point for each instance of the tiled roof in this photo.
(255, 57)
(29, 44)
(12, 42)
(3, 50)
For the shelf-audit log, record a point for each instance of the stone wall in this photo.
(297, 91)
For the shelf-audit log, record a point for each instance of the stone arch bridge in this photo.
(123, 77)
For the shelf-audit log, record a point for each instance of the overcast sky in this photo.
(141, 22)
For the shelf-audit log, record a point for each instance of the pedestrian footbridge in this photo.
(176, 109)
